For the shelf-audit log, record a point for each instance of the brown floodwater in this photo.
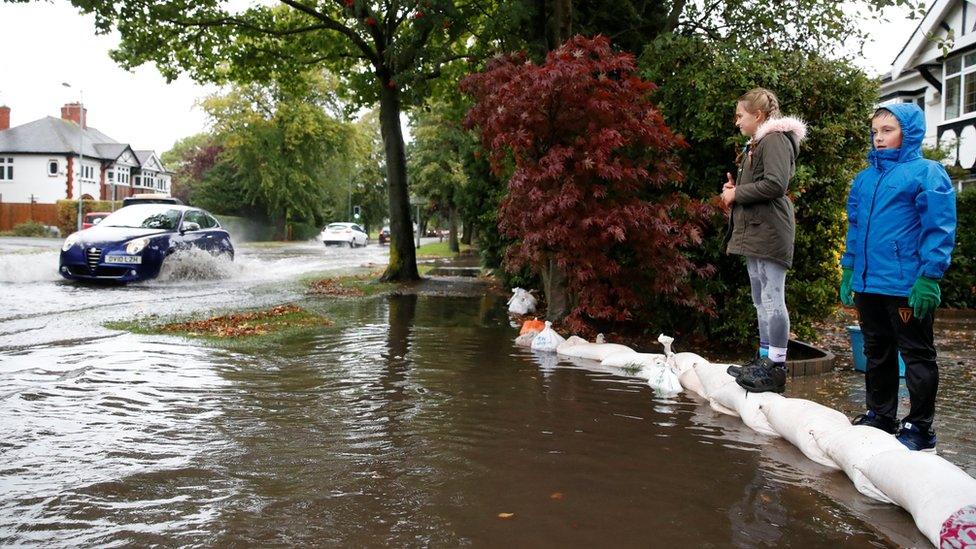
(414, 421)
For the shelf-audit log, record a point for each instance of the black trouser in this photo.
(889, 326)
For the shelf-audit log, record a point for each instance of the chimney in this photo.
(76, 113)
(4, 117)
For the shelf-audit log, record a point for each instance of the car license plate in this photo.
(127, 259)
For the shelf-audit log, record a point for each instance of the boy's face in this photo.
(886, 131)
(745, 120)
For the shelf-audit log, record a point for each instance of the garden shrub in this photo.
(959, 283)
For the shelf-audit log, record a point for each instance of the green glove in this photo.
(925, 297)
(846, 293)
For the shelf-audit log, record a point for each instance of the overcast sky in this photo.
(43, 45)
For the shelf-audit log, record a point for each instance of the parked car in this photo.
(150, 198)
(93, 218)
(385, 235)
(132, 243)
(344, 234)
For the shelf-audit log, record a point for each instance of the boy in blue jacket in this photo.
(901, 216)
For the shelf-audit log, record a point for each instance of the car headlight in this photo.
(136, 246)
(69, 242)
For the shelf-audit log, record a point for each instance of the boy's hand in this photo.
(846, 293)
(925, 297)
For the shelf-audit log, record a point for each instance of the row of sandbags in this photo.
(940, 496)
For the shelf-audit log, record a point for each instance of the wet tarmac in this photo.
(412, 421)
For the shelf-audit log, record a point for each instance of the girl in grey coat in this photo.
(762, 228)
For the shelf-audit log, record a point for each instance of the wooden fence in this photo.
(14, 214)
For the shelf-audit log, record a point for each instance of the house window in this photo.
(960, 86)
(52, 167)
(6, 169)
(111, 175)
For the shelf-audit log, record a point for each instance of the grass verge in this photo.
(362, 285)
(252, 327)
(439, 249)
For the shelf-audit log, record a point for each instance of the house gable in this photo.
(922, 47)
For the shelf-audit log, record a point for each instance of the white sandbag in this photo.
(689, 380)
(803, 422)
(666, 341)
(926, 485)
(661, 379)
(547, 340)
(713, 377)
(746, 405)
(571, 341)
(525, 340)
(593, 351)
(684, 361)
(521, 302)
(853, 447)
(630, 360)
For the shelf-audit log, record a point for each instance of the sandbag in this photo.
(661, 379)
(593, 351)
(571, 341)
(746, 405)
(684, 361)
(521, 302)
(547, 340)
(853, 447)
(525, 340)
(630, 360)
(689, 380)
(803, 422)
(933, 490)
(713, 377)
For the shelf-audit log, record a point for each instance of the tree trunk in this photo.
(452, 241)
(468, 234)
(403, 255)
(558, 301)
(560, 23)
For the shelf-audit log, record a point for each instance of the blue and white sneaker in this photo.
(915, 439)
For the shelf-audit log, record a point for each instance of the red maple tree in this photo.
(595, 183)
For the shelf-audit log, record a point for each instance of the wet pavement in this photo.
(412, 421)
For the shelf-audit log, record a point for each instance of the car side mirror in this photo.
(96, 221)
(189, 226)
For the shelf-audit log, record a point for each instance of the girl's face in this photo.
(886, 132)
(746, 121)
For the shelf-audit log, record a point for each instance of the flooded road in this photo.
(412, 421)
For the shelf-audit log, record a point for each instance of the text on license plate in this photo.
(127, 259)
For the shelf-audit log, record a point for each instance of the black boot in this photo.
(763, 377)
(871, 419)
(736, 371)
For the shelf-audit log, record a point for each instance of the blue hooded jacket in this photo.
(901, 214)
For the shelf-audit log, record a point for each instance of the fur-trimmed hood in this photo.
(785, 124)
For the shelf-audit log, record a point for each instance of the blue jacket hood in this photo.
(912, 122)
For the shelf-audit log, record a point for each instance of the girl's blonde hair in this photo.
(761, 100)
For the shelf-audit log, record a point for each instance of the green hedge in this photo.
(68, 212)
(959, 284)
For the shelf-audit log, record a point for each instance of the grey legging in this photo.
(768, 281)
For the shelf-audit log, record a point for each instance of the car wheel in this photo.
(352, 243)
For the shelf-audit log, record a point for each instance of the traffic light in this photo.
(356, 211)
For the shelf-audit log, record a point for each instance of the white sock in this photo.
(777, 354)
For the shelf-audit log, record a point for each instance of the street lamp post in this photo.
(81, 145)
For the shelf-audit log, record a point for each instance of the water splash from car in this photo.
(197, 264)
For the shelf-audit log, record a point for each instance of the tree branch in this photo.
(331, 24)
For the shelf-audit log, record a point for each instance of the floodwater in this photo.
(413, 421)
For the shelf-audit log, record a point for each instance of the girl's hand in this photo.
(728, 195)
(729, 184)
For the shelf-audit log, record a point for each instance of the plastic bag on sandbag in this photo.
(534, 325)
(926, 485)
(666, 341)
(746, 405)
(547, 340)
(662, 379)
(680, 362)
(689, 380)
(959, 530)
(525, 340)
(803, 423)
(853, 447)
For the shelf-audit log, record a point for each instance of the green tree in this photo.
(385, 52)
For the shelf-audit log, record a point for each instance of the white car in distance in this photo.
(343, 234)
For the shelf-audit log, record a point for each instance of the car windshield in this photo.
(337, 227)
(146, 216)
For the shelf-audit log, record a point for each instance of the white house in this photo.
(936, 68)
(40, 161)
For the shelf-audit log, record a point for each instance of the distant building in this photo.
(39, 161)
(942, 83)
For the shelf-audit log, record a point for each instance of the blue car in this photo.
(132, 243)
